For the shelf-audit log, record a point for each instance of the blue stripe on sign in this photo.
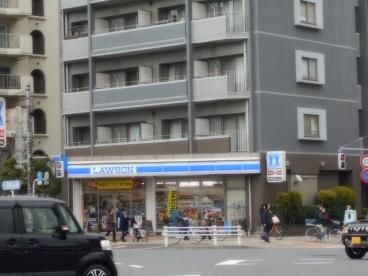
(79, 170)
(251, 167)
(202, 168)
(175, 168)
(149, 169)
(230, 167)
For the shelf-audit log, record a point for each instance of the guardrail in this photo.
(215, 232)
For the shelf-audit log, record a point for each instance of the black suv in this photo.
(40, 236)
(355, 239)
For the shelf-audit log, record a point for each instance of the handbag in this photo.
(275, 219)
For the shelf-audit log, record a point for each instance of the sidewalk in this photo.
(247, 242)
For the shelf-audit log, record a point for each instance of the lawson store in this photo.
(197, 188)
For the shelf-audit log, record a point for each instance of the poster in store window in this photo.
(171, 201)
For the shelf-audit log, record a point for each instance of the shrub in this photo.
(327, 198)
(289, 206)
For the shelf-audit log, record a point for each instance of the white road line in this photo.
(313, 263)
(231, 262)
(118, 263)
(317, 259)
(136, 266)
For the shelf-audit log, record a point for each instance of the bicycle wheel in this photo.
(279, 232)
(334, 235)
(312, 234)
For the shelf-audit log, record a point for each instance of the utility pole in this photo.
(29, 138)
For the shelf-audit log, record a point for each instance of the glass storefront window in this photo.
(100, 195)
(199, 200)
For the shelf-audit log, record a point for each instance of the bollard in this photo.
(165, 234)
(214, 229)
(239, 232)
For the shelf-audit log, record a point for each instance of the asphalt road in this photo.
(209, 261)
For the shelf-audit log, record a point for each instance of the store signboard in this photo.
(115, 184)
(171, 201)
(163, 169)
(276, 166)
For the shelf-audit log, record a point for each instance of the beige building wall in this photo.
(21, 26)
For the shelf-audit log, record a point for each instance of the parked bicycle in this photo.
(316, 232)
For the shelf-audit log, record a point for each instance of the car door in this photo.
(47, 252)
(11, 254)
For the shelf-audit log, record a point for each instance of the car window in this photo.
(40, 220)
(7, 221)
(68, 219)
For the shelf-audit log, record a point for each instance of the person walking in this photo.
(124, 225)
(110, 224)
(266, 219)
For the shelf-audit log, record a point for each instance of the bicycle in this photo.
(276, 232)
(318, 232)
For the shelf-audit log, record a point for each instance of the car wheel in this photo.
(97, 270)
(355, 253)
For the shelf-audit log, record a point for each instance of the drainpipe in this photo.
(91, 70)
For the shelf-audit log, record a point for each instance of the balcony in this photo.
(139, 39)
(76, 102)
(210, 28)
(69, 4)
(148, 93)
(15, 8)
(75, 49)
(15, 45)
(14, 85)
(228, 86)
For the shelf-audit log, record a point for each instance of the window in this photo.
(39, 121)
(312, 124)
(38, 43)
(40, 220)
(81, 136)
(171, 14)
(173, 71)
(38, 82)
(310, 67)
(37, 7)
(308, 13)
(78, 29)
(80, 82)
(7, 221)
(174, 129)
(126, 77)
(123, 22)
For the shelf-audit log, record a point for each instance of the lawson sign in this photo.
(163, 169)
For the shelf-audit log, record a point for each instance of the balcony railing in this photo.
(137, 26)
(235, 22)
(79, 143)
(235, 80)
(76, 32)
(10, 82)
(123, 140)
(238, 139)
(9, 41)
(138, 82)
(77, 89)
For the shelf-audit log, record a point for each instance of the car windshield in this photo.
(68, 219)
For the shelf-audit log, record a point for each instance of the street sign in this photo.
(276, 166)
(341, 161)
(39, 176)
(364, 175)
(2, 123)
(9, 185)
(364, 161)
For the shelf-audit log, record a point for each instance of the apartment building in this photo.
(29, 58)
(179, 101)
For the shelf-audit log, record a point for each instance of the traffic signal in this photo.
(341, 161)
(59, 169)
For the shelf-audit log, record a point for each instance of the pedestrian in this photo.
(110, 224)
(266, 220)
(124, 225)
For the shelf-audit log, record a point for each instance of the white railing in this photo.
(138, 26)
(9, 41)
(238, 139)
(77, 89)
(215, 232)
(235, 80)
(10, 82)
(235, 22)
(140, 139)
(138, 82)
